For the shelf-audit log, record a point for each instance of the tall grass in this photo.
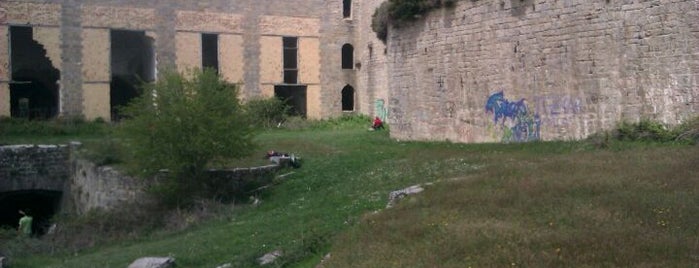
(630, 208)
(545, 204)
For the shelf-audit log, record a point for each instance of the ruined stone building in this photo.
(86, 57)
(481, 71)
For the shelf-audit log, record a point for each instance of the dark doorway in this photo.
(294, 96)
(33, 85)
(132, 63)
(346, 8)
(209, 51)
(347, 56)
(41, 205)
(348, 98)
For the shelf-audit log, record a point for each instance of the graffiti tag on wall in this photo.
(513, 118)
(380, 109)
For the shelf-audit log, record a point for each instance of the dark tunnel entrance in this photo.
(34, 87)
(132, 63)
(41, 205)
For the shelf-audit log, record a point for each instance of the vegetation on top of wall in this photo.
(397, 12)
(10, 127)
(59, 130)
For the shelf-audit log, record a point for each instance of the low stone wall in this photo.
(93, 186)
(86, 186)
(39, 167)
(103, 187)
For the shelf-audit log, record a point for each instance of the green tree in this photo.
(182, 123)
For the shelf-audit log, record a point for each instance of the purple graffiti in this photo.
(502, 108)
(524, 126)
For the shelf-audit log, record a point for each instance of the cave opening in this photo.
(42, 205)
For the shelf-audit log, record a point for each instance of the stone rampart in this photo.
(521, 70)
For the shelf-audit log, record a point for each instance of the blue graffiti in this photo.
(523, 125)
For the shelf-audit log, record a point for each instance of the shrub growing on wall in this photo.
(182, 124)
(400, 11)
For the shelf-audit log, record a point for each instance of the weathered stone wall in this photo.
(370, 52)
(103, 187)
(93, 187)
(566, 69)
(40, 167)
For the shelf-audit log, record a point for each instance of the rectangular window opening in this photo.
(209, 51)
(290, 47)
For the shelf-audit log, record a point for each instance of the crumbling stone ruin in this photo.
(85, 58)
(479, 71)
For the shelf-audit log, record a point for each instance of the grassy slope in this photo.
(541, 204)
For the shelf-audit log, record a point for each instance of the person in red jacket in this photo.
(378, 124)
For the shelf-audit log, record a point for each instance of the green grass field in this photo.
(547, 204)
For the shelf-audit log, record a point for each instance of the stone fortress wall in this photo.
(372, 72)
(520, 70)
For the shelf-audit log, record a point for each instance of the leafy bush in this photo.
(268, 112)
(344, 122)
(182, 125)
(106, 151)
(399, 11)
(688, 131)
(648, 131)
(644, 130)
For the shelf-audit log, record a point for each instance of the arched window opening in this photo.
(348, 99)
(346, 8)
(347, 56)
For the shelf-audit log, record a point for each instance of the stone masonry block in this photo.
(96, 101)
(118, 17)
(289, 26)
(4, 99)
(230, 57)
(4, 55)
(309, 60)
(271, 59)
(21, 13)
(209, 22)
(188, 51)
(96, 55)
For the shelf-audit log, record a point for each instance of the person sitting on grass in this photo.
(378, 124)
